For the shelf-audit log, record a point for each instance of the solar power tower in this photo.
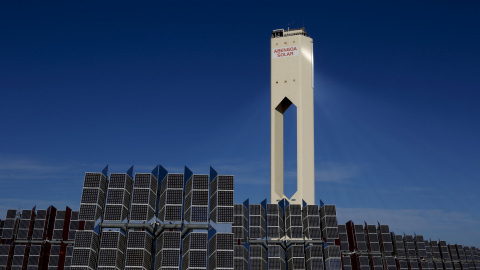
(93, 198)
(119, 195)
(139, 250)
(144, 197)
(171, 198)
(292, 83)
(113, 246)
(220, 250)
(168, 250)
(194, 251)
(196, 197)
(221, 197)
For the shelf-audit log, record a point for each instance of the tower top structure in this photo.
(278, 33)
(292, 83)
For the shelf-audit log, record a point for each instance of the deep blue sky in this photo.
(85, 84)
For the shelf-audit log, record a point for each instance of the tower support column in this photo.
(292, 83)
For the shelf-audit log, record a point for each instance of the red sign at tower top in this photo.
(285, 52)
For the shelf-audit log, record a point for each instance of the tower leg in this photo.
(276, 180)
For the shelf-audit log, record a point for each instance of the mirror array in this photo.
(161, 220)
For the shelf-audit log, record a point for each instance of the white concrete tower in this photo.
(292, 83)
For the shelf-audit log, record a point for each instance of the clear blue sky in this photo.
(85, 84)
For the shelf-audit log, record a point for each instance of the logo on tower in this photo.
(285, 52)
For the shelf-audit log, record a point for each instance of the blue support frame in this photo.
(130, 172)
(211, 233)
(187, 174)
(105, 171)
(283, 204)
(264, 205)
(160, 173)
(213, 174)
(246, 203)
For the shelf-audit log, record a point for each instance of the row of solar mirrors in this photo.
(157, 197)
(160, 227)
(108, 248)
(319, 242)
(55, 239)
